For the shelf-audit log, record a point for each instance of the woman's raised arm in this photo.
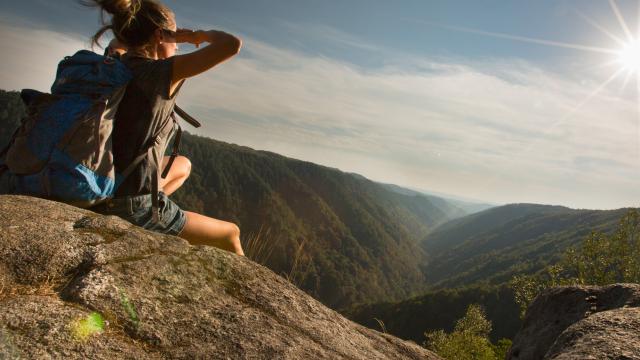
(222, 46)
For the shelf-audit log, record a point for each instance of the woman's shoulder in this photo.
(142, 64)
(151, 75)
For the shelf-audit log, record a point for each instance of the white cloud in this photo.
(30, 56)
(491, 130)
(495, 133)
(326, 35)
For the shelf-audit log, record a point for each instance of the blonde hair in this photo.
(133, 22)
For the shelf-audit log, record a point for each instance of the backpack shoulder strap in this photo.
(186, 117)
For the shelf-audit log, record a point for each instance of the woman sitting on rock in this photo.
(148, 31)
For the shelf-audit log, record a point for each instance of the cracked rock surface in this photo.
(159, 297)
(581, 322)
(613, 334)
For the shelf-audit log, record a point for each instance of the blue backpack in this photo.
(63, 149)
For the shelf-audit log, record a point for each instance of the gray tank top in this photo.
(145, 111)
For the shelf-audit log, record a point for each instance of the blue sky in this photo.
(417, 93)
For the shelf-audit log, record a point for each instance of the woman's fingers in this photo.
(195, 37)
(183, 33)
(189, 36)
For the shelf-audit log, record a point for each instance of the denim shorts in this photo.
(137, 210)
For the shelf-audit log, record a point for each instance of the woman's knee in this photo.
(234, 238)
(185, 165)
(234, 231)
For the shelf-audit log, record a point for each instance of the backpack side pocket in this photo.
(29, 152)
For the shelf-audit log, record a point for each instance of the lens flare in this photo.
(82, 329)
(629, 56)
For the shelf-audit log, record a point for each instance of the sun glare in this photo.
(626, 57)
(629, 56)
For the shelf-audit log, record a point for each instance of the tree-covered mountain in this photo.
(339, 236)
(493, 245)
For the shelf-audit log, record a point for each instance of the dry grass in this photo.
(46, 288)
(381, 323)
(259, 246)
(301, 265)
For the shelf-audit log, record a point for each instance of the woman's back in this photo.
(144, 114)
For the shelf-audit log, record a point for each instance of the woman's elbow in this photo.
(236, 45)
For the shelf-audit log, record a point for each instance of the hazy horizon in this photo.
(500, 102)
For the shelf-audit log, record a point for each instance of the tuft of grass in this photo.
(259, 246)
(298, 272)
(129, 308)
(381, 323)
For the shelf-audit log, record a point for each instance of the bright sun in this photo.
(629, 56)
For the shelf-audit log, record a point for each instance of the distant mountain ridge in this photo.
(493, 245)
(456, 208)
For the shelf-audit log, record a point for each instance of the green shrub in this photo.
(601, 259)
(469, 340)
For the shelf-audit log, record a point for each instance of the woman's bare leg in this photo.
(204, 230)
(179, 172)
(200, 229)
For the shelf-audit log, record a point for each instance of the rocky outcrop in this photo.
(74, 284)
(613, 334)
(581, 322)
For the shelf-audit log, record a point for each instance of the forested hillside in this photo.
(473, 259)
(342, 238)
(493, 245)
(434, 310)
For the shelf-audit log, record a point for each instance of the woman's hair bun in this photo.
(133, 22)
(115, 7)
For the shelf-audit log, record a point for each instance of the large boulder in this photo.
(613, 334)
(76, 284)
(581, 322)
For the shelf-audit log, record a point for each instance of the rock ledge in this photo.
(581, 322)
(159, 297)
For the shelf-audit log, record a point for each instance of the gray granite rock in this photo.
(159, 297)
(613, 334)
(556, 310)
